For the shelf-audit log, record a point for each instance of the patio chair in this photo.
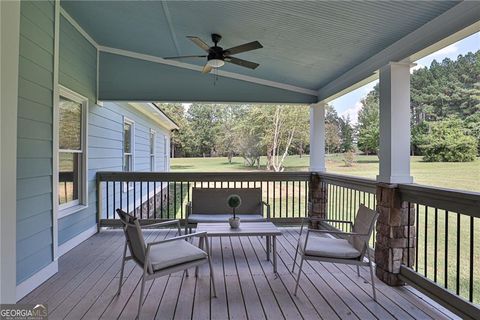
(163, 257)
(348, 250)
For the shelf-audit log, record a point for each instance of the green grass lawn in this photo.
(455, 175)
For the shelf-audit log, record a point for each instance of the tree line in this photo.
(445, 121)
(445, 111)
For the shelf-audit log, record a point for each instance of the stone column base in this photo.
(395, 240)
(317, 199)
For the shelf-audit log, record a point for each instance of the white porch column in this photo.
(394, 151)
(317, 137)
(9, 44)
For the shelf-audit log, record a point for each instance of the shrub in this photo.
(349, 158)
(446, 141)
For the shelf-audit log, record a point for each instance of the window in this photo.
(72, 110)
(128, 142)
(152, 149)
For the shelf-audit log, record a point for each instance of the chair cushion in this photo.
(199, 217)
(329, 247)
(172, 253)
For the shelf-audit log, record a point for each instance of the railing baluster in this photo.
(425, 257)
(114, 198)
(446, 251)
(286, 198)
(306, 199)
(154, 200)
(435, 246)
(181, 200)
(458, 255)
(472, 257)
(148, 199)
(280, 204)
(161, 200)
(416, 237)
(141, 200)
(107, 195)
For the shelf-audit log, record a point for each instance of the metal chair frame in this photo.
(356, 261)
(148, 272)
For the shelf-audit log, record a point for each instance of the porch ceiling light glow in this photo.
(215, 63)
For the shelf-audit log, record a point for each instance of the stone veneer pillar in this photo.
(394, 239)
(317, 199)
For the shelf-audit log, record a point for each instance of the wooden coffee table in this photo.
(246, 229)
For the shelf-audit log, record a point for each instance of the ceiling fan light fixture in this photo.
(215, 63)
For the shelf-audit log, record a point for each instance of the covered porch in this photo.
(110, 52)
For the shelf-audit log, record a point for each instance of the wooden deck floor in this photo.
(85, 286)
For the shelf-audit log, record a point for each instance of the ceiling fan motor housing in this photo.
(215, 53)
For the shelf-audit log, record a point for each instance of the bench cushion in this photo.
(172, 253)
(200, 217)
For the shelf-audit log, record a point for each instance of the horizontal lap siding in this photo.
(34, 139)
(77, 72)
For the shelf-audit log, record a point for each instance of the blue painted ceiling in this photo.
(306, 44)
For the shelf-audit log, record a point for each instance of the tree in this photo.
(446, 141)
(204, 123)
(346, 134)
(368, 123)
(181, 138)
(226, 141)
(332, 138)
(332, 130)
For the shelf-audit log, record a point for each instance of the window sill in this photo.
(71, 210)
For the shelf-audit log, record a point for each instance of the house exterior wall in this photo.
(105, 127)
(36, 169)
(34, 139)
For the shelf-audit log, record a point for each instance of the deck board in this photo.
(247, 288)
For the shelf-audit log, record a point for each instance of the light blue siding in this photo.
(105, 127)
(34, 139)
(77, 72)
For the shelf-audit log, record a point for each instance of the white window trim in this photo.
(132, 142)
(77, 205)
(153, 153)
(166, 155)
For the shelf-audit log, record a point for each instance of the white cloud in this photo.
(352, 112)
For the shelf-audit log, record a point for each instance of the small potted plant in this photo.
(234, 201)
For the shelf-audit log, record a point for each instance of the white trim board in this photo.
(55, 99)
(75, 241)
(36, 280)
(9, 46)
(77, 26)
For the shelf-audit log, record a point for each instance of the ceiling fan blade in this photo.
(184, 57)
(207, 68)
(199, 42)
(241, 62)
(243, 48)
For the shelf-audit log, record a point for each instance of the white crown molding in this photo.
(453, 25)
(75, 24)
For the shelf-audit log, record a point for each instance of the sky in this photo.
(350, 103)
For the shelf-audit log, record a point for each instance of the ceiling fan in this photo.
(217, 56)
